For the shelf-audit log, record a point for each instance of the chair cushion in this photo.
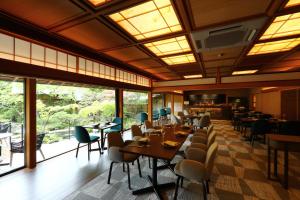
(94, 138)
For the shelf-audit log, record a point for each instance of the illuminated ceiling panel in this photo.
(176, 60)
(169, 46)
(292, 3)
(150, 19)
(277, 46)
(244, 72)
(193, 76)
(98, 2)
(283, 26)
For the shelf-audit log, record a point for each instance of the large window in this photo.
(60, 108)
(134, 104)
(11, 124)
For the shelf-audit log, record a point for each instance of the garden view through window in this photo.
(12, 129)
(61, 107)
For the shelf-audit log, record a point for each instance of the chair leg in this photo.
(11, 158)
(181, 182)
(99, 147)
(109, 174)
(77, 150)
(204, 190)
(123, 167)
(149, 162)
(128, 173)
(207, 186)
(139, 167)
(89, 147)
(176, 188)
(40, 150)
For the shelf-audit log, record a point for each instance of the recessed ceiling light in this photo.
(292, 3)
(193, 76)
(169, 46)
(181, 59)
(149, 19)
(244, 72)
(98, 2)
(276, 46)
(284, 25)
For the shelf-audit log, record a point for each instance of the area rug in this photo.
(239, 173)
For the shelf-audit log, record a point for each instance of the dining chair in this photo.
(200, 143)
(196, 171)
(204, 132)
(84, 137)
(115, 143)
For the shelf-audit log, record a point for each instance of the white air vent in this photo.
(236, 34)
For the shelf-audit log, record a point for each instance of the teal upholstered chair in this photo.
(163, 112)
(155, 116)
(143, 117)
(168, 111)
(117, 128)
(84, 137)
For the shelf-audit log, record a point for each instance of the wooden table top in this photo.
(284, 138)
(155, 148)
(104, 126)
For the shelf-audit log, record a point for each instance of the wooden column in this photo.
(30, 121)
(150, 106)
(119, 103)
(172, 104)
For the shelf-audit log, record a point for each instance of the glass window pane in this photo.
(134, 104)
(81, 66)
(61, 107)
(12, 123)
(22, 51)
(89, 67)
(6, 47)
(96, 69)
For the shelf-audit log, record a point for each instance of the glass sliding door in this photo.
(61, 107)
(12, 130)
(134, 103)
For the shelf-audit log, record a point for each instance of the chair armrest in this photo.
(115, 154)
(193, 170)
(199, 139)
(195, 154)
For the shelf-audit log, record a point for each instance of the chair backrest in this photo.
(260, 126)
(5, 128)
(155, 114)
(168, 111)
(136, 131)
(210, 158)
(148, 124)
(290, 128)
(115, 140)
(185, 112)
(162, 112)
(143, 117)
(210, 129)
(118, 120)
(205, 121)
(211, 139)
(82, 135)
(39, 140)
(175, 120)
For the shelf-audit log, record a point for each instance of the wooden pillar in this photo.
(30, 121)
(172, 104)
(119, 103)
(150, 106)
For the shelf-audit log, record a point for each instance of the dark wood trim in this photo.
(150, 106)
(30, 121)
(32, 71)
(229, 86)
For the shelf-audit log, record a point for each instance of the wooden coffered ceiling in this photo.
(89, 26)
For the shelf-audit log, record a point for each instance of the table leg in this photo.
(155, 187)
(102, 140)
(275, 163)
(286, 167)
(269, 162)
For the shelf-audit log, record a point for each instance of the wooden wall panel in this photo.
(289, 104)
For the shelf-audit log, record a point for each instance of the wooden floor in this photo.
(55, 178)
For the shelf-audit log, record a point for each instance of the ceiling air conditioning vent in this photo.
(237, 34)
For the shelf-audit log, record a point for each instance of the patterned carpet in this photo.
(239, 173)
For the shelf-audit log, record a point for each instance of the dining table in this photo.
(156, 149)
(101, 128)
(285, 143)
